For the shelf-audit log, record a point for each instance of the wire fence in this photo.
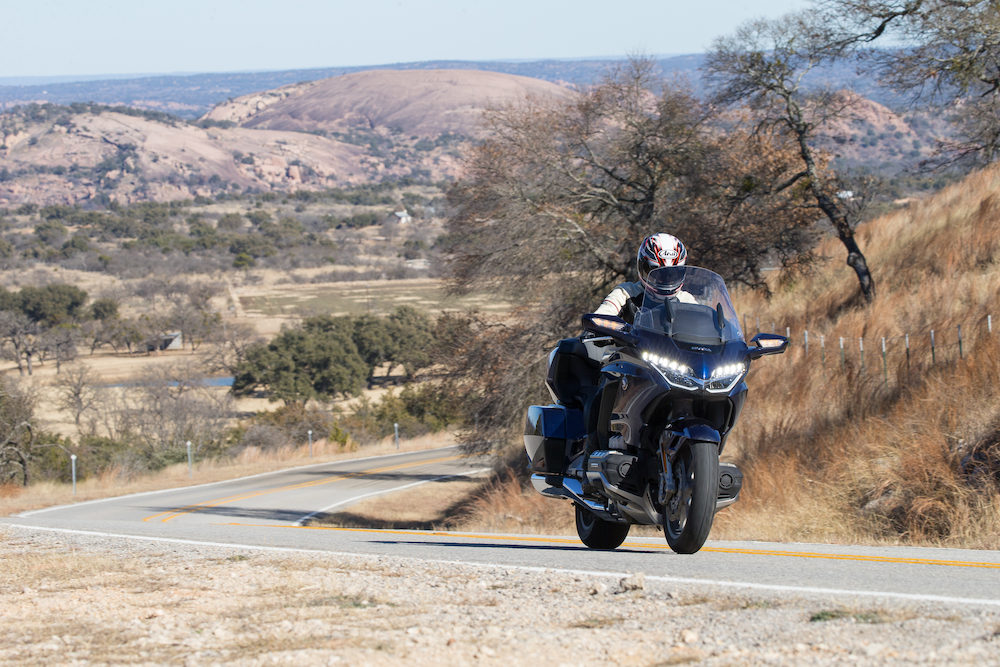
(889, 356)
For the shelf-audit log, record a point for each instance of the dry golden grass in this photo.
(252, 461)
(837, 452)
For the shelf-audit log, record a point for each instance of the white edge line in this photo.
(384, 491)
(911, 597)
(224, 481)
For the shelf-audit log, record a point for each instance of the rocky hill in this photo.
(359, 128)
(418, 103)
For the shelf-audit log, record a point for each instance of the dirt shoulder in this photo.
(73, 599)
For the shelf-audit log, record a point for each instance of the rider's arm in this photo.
(614, 302)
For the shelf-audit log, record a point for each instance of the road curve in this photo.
(268, 511)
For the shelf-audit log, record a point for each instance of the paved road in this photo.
(268, 511)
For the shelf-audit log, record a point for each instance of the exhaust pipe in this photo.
(571, 489)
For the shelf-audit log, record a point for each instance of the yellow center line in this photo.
(639, 545)
(188, 509)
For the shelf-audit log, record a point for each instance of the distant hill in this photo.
(360, 128)
(410, 103)
(191, 96)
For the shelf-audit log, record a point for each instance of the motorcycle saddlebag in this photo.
(549, 432)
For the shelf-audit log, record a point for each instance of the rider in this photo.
(655, 251)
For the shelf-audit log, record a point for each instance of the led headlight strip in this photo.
(723, 377)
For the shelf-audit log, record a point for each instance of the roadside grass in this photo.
(15, 499)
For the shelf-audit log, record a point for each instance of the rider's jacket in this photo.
(625, 299)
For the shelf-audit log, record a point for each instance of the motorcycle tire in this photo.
(697, 490)
(597, 533)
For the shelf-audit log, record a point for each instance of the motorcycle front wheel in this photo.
(597, 533)
(688, 515)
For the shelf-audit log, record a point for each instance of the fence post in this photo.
(72, 463)
(907, 354)
(885, 369)
(822, 349)
(933, 353)
(989, 323)
(842, 360)
(190, 473)
(807, 343)
(395, 428)
(861, 347)
(960, 355)
(310, 442)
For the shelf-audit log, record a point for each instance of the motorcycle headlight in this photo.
(673, 371)
(725, 377)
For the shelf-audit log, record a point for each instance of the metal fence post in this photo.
(989, 323)
(807, 342)
(822, 349)
(72, 464)
(885, 368)
(861, 346)
(907, 354)
(310, 442)
(395, 428)
(842, 360)
(190, 472)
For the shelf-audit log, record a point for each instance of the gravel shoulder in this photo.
(72, 599)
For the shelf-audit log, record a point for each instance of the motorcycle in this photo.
(642, 412)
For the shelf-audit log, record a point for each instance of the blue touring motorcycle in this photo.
(642, 412)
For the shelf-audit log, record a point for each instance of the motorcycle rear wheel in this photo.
(697, 474)
(597, 533)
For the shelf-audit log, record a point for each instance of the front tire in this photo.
(597, 533)
(687, 517)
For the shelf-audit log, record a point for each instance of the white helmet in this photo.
(659, 250)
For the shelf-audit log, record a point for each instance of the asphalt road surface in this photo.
(268, 511)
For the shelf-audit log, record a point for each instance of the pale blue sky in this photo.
(88, 37)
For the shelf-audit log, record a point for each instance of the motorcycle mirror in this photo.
(610, 325)
(767, 343)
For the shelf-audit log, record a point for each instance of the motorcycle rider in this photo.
(655, 251)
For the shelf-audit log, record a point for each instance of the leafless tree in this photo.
(762, 65)
(59, 343)
(950, 53)
(77, 391)
(19, 336)
(17, 432)
(557, 200)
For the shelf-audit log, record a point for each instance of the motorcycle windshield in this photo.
(689, 304)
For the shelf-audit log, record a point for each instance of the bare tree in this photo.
(20, 339)
(556, 202)
(17, 432)
(77, 391)
(59, 343)
(763, 65)
(951, 53)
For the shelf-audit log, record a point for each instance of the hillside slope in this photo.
(897, 437)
